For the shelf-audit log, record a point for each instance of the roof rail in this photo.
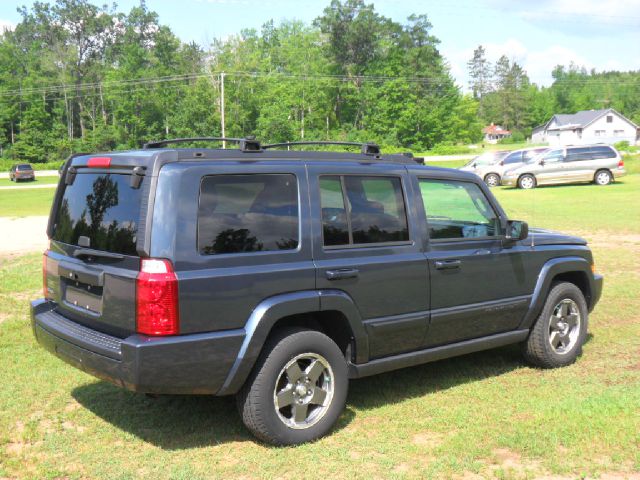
(366, 148)
(248, 144)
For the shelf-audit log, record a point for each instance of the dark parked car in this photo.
(279, 275)
(22, 171)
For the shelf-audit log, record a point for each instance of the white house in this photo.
(493, 133)
(585, 127)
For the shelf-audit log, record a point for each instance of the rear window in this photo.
(602, 152)
(24, 167)
(104, 209)
(248, 213)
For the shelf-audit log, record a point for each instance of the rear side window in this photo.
(515, 157)
(360, 210)
(576, 154)
(248, 213)
(24, 167)
(457, 210)
(104, 209)
(602, 152)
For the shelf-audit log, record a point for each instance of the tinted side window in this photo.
(553, 156)
(375, 210)
(576, 154)
(513, 158)
(602, 152)
(247, 213)
(457, 210)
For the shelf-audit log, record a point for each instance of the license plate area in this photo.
(84, 297)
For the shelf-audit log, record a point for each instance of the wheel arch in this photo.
(331, 312)
(576, 270)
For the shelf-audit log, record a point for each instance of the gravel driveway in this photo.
(22, 235)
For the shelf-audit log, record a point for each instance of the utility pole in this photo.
(224, 143)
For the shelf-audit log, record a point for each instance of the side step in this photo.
(411, 359)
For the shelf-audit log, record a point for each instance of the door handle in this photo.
(342, 273)
(447, 264)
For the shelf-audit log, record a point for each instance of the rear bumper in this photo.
(187, 364)
(619, 172)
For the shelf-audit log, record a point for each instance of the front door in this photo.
(364, 247)
(551, 167)
(478, 287)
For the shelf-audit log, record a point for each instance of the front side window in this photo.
(374, 211)
(457, 210)
(248, 213)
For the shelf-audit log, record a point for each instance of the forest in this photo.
(78, 77)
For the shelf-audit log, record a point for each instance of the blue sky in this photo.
(600, 34)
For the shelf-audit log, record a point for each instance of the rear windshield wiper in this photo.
(90, 252)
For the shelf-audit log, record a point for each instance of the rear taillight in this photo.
(621, 163)
(99, 162)
(157, 298)
(45, 292)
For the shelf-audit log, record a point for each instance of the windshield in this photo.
(487, 158)
(104, 208)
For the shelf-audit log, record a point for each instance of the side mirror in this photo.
(474, 165)
(541, 162)
(516, 230)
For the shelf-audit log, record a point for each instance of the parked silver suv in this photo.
(601, 164)
(491, 172)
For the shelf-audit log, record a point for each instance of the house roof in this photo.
(495, 130)
(582, 118)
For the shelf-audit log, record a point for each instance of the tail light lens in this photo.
(157, 298)
(621, 163)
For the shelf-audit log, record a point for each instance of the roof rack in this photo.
(366, 148)
(248, 144)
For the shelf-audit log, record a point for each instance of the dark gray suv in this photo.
(279, 275)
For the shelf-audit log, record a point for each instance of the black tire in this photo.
(538, 349)
(256, 400)
(527, 181)
(603, 177)
(492, 179)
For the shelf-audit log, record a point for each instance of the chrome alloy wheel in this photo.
(564, 326)
(527, 182)
(304, 390)
(492, 180)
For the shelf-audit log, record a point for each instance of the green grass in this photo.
(25, 202)
(5, 182)
(487, 413)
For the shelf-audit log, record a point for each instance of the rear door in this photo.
(578, 164)
(363, 245)
(92, 263)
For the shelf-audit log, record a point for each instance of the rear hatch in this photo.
(92, 264)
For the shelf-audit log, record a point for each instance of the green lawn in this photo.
(5, 182)
(23, 203)
(487, 413)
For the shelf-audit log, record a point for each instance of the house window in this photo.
(600, 133)
(609, 118)
(618, 133)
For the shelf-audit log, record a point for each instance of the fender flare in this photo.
(549, 270)
(272, 309)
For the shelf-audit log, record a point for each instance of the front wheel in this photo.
(557, 337)
(527, 181)
(492, 179)
(297, 389)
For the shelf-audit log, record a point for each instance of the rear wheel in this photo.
(492, 179)
(557, 337)
(527, 181)
(603, 177)
(297, 390)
